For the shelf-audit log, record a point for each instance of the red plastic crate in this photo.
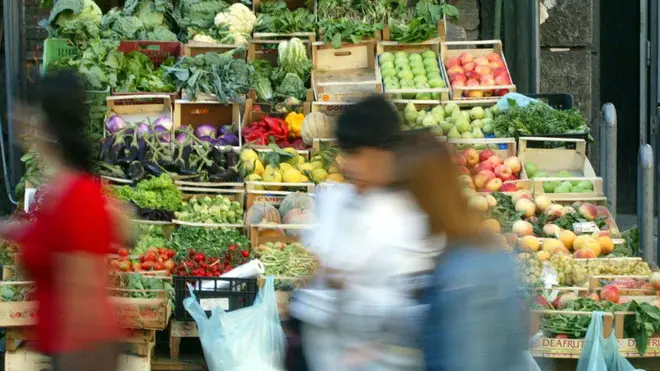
(157, 51)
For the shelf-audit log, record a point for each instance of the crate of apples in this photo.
(477, 73)
(487, 171)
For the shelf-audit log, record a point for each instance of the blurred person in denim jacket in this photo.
(476, 317)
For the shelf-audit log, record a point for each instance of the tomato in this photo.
(191, 254)
(214, 260)
(245, 253)
(151, 256)
(169, 264)
(158, 266)
(170, 254)
(162, 251)
(137, 267)
(203, 265)
(188, 264)
(122, 252)
(232, 247)
(147, 265)
(200, 258)
(125, 266)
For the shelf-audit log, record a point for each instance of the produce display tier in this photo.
(211, 292)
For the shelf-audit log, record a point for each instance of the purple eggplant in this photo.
(142, 128)
(205, 130)
(115, 123)
(163, 134)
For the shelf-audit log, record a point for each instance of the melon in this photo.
(316, 125)
(296, 200)
(260, 214)
(299, 217)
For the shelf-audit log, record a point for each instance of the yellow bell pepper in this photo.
(294, 121)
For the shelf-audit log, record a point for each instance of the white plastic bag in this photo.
(245, 339)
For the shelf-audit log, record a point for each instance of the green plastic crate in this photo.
(54, 50)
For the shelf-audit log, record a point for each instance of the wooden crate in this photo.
(257, 239)
(460, 144)
(554, 160)
(179, 330)
(264, 45)
(233, 191)
(139, 108)
(194, 48)
(647, 295)
(18, 313)
(401, 93)
(257, 194)
(194, 114)
(452, 49)
(29, 360)
(347, 74)
(387, 45)
(331, 109)
(597, 184)
(139, 313)
(252, 115)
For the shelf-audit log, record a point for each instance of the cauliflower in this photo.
(204, 39)
(239, 18)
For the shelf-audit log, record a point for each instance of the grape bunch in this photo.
(569, 272)
(596, 267)
(529, 268)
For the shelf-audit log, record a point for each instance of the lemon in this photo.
(304, 179)
(292, 176)
(249, 155)
(306, 167)
(294, 160)
(317, 165)
(301, 160)
(285, 167)
(255, 178)
(335, 177)
(319, 175)
(258, 167)
(333, 169)
(272, 175)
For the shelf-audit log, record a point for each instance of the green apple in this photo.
(391, 79)
(388, 72)
(408, 95)
(405, 75)
(541, 174)
(477, 113)
(436, 96)
(564, 174)
(433, 75)
(420, 78)
(401, 54)
(386, 57)
(586, 185)
(423, 96)
(446, 126)
(402, 67)
(577, 189)
(407, 83)
(415, 57)
(422, 85)
(430, 63)
(401, 62)
(429, 54)
(531, 169)
(437, 83)
(549, 187)
(418, 71)
(450, 108)
(388, 64)
(562, 189)
(463, 125)
(392, 86)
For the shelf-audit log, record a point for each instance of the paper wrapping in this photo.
(253, 268)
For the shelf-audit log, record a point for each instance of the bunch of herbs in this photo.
(537, 118)
(276, 17)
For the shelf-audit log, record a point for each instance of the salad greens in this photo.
(276, 17)
(423, 25)
(209, 241)
(537, 119)
(140, 20)
(76, 20)
(336, 31)
(211, 210)
(156, 193)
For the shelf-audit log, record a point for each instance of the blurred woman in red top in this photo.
(64, 247)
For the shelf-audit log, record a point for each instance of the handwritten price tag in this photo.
(585, 227)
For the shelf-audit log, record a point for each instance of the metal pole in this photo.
(535, 46)
(12, 27)
(644, 46)
(608, 155)
(645, 188)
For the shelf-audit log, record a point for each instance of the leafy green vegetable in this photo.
(198, 14)
(209, 241)
(140, 20)
(156, 193)
(144, 286)
(149, 236)
(276, 17)
(263, 88)
(220, 210)
(537, 119)
(221, 75)
(345, 30)
(423, 26)
(76, 20)
(291, 87)
(362, 11)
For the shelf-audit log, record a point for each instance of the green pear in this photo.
(465, 115)
(429, 120)
(477, 124)
(531, 169)
(477, 133)
(550, 186)
(410, 116)
(455, 115)
(467, 135)
(420, 116)
(410, 107)
(477, 113)
(463, 125)
(446, 126)
(453, 133)
(439, 113)
(450, 108)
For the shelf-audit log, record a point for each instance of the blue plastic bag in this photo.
(599, 354)
(245, 339)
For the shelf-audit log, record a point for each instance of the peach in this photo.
(551, 230)
(522, 228)
(455, 70)
(500, 71)
(483, 70)
(493, 57)
(542, 202)
(465, 57)
(492, 225)
(475, 93)
(554, 211)
(585, 254)
(606, 245)
(482, 178)
(610, 293)
(526, 207)
(492, 202)
(502, 80)
(481, 61)
(487, 80)
(508, 187)
(471, 156)
(567, 237)
(588, 211)
(472, 82)
(495, 64)
(520, 194)
(514, 163)
(478, 202)
(529, 243)
(560, 250)
(471, 75)
(486, 154)
(550, 244)
(469, 67)
(451, 62)
(602, 211)
(458, 83)
(494, 185)
(502, 171)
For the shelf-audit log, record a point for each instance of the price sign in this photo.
(210, 304)
(585, 228)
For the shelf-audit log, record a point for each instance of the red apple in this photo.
(500, 71)
(486, 154)
(474, 169)
(494, 184)
(486, 165)
(472, 82)
(493, 57)
(469, 67)
(514, 163)
(459, 160)
(508, 187)
(471, 156)
(496, 160)
(487, 80)
(454, 70)
(496, 65)
(458, 77)
(472, 75)
(482, 178)
(610, 293)
(457, 83)
(502, 80)
(502, 171)
(501, 92)
(481, 61)
(465, 57)
(451, 62)
(482, 70)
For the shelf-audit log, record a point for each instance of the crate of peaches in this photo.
(476, 69)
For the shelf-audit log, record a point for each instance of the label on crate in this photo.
(571, 348)
(210, 304)
(585, 227)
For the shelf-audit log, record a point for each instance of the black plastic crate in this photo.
(561, 101)
(227, 293)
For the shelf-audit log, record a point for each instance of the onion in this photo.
(142, 128)
(115, 123)
(205, 130)
(163, 121)
(162, 133)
